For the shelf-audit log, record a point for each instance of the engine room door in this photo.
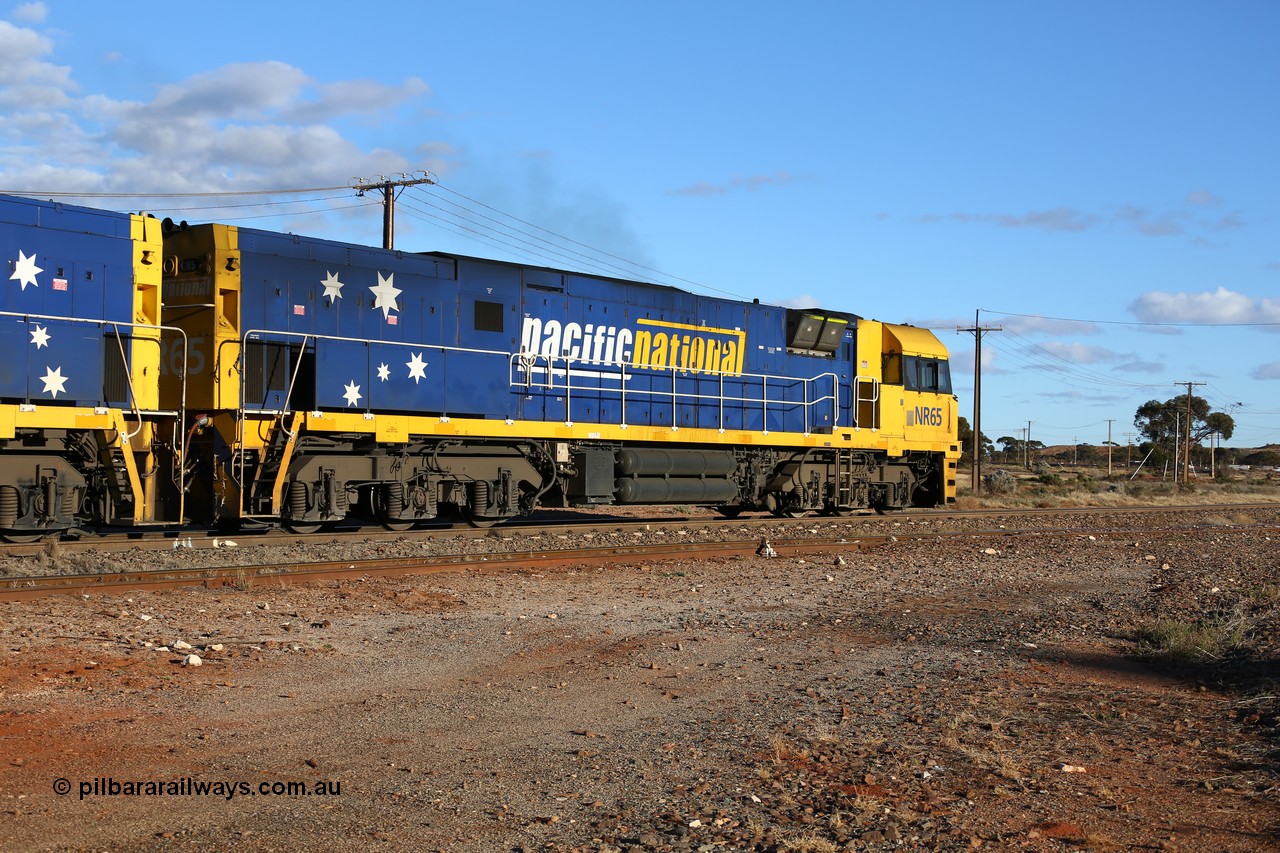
(847, 368)
(486, 322)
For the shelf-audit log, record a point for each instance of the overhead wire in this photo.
(222, 194)
(1034, 356)
(564, 239)
(332, 195)
(1148, 323)
(487, 235)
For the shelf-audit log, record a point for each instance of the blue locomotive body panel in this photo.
(64, 263)
(384, 331)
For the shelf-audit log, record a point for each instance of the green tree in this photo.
(1011, 447)
(1160, 422)
(1164, 426)
(964, 434)
(1014, 449)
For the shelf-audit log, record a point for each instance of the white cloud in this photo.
(1057, 219)
(1026, 325)
(803, 300)
(31, 13)
(1219, 306)
(962, 362)
(239, 90)
(750, 183)
(259, 125)
(1160, 225)
(1078, 353)
(27, 82)
(1133, 363)
(1270, 370)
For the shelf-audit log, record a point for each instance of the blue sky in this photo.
(1100, 180)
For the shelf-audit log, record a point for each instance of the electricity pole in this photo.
(977, 331)
(1110, 421)
(387, 187)
(1186, 461)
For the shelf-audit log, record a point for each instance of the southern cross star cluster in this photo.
(25, 272)
(384, 293)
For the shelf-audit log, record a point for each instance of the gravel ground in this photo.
(252, 550)
(927, 693)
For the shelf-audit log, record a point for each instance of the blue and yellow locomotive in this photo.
(342, 380)
(83, 433)
(223, 375)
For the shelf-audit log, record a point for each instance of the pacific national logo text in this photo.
(653, 344)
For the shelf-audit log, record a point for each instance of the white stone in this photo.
(192, 660)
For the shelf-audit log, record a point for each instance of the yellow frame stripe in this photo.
(556, 430)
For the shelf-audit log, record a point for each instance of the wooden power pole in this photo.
(387, 187)
(1186, 447)
(978, 329)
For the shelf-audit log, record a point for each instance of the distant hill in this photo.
(1267, 456)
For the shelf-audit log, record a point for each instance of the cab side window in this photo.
(925, 374)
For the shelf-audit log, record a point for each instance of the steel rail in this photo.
(113, 583)
(160, 539)
(246, 577)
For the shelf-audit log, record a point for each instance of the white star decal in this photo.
(353, 393)
(40, 337)
(386, 293)
(54, 381)
(25, 270)
(332, 287)
(417, 367)
(384, 372)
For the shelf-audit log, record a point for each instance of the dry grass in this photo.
(785, 753)
(1179, 641)
(809, 843)
(984, 741)
(1092, 487)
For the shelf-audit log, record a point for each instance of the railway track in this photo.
(17, 589)
(786, 537)
(542, 522)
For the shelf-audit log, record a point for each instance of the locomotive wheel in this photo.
(302, 527)
(729, 511)
(395, 525)
(781, 510)
(21, 538)
(478, 521)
